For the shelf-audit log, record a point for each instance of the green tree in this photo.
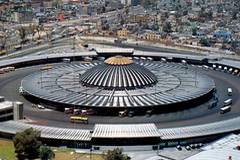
(116, 154)
(46, 153)
(167, 27)
(194, 31)
(205, 42)
(27, 144)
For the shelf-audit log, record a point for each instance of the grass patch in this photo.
(76, 156)
(7, 150)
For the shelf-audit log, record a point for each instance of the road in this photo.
(9, 84)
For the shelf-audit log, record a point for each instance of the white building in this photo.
(126, 2)
(226, 148)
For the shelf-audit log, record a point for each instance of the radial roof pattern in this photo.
(118, 73)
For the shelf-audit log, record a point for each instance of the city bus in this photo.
(227, 102)
(225, 109)
(79, 119)
(2, 52)
(46, 67)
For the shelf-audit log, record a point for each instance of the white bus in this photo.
(229, 91)
(225, 109)
(228, 102)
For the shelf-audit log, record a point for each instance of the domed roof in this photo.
(118, 73)
(118, 60)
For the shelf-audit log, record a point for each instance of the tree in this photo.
(205, 42)
(46, 153)
(57, 3)
(116, 154)
(32, 29)
(167, 27)
(22, 34)
(194, 31)
(3, 40)
(27, 144)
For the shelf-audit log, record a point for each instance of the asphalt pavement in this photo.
(10, 82)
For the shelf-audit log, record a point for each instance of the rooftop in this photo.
(5, 105)
(125, 131)
(118, 60)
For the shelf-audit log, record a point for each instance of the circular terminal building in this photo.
(119, 83)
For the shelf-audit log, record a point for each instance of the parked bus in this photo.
(229, 91)
(17, 47)
(227, 102)
(3, 52)
(46, 67)
(79, 119)
(225, 109)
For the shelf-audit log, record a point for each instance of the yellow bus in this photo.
(3, 52)
(79, 119)
(46, 67)
(85, 62)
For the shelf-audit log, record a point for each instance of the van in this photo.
(214, 66)
(149, 113)
(225, 109)
(225, 69)
(205, 67)
(227, 102)
(68, 110)
(131, 113)
(122, 113)
(66, 60)
(229, 90)
(235, 72)
(21, 91)
(40, 106)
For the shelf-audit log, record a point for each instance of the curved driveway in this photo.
(10, 82)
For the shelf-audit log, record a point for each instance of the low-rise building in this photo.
(10, 110)
(123, 32)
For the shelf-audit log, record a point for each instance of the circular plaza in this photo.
(119, 83)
